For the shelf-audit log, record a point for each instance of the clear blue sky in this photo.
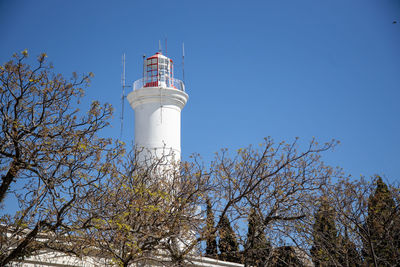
(283, 68)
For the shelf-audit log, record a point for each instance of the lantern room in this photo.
(158, 71)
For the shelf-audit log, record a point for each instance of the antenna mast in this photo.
(144, 57)
(183, 62)
(166, 47)
(123, 93)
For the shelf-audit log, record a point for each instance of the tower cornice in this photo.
(161, 95)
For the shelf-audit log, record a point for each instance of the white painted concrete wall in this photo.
(56, 259)
(158, 120)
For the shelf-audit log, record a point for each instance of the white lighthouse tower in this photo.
(158, 99)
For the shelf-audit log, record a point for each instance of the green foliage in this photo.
(381, 231)
(347, 252)
(257, 250)
(325, 240)
(211, 242)
(228, 244)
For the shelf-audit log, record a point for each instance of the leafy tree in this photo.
(228, 244)
(367, 216)
(347, 253)
(50, 155)
(380, 246)
(211, 242)
(257, 249)
(325, 236)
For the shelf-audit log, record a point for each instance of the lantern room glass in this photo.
(159, 71)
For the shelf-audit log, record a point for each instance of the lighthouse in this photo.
(158, 99)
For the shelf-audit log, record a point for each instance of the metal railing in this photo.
(169, 83)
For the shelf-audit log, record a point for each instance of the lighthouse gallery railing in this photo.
(170, 83)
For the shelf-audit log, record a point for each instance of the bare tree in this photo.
(278, 181)
(50, 155)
